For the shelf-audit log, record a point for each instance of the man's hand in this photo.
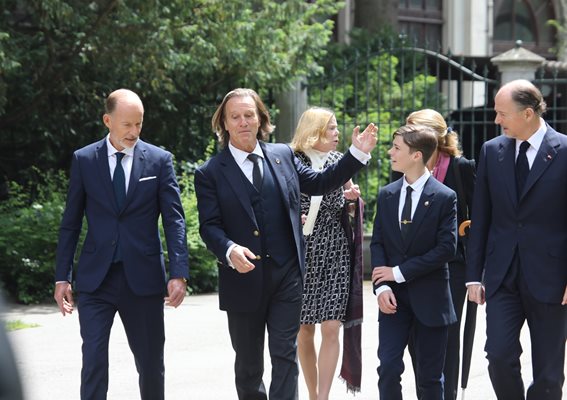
(239, 256)
(476, 293)
(63, 295)
(382, 274)
(176, 290)
(387, 302)
(365, 141)
(564, 302)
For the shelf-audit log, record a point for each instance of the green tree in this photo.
(60, 58)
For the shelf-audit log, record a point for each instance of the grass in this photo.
(14, 325)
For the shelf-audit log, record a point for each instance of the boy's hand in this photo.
(382, 274)
(387, 302)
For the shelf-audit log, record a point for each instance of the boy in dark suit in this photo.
(415, 235)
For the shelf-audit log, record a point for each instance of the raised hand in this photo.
(365, 141)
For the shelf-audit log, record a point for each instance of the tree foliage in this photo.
(59, 59)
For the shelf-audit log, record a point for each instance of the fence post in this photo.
(517, 63)
(291, 104)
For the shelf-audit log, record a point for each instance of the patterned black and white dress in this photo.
(327, 278)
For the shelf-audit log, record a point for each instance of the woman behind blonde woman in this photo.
(442, 167)
(328, 263)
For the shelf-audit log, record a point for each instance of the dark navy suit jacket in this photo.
(152, 191)
(535, 224)
(226, 215)
(423, 256)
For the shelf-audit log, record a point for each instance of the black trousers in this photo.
(451, 369)
(142, 317)
(506, 312)
(279, 313)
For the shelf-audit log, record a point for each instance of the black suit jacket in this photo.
(226, 215)
(152, 192)
(423, 256)
(535, 224)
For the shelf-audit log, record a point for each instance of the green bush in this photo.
(28, 237)
(203, 270)
(29, 227)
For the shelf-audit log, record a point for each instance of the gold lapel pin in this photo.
(426, 204)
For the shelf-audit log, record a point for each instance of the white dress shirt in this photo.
(127, 160)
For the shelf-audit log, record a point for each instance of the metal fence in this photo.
(385, 86)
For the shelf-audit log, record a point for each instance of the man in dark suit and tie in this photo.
(249, 211)
(414, 238)
(122, 185)
(518, 245)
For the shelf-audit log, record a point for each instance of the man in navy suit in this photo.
(248, 197)
(122, 185)
(518, 245)
(414, 238)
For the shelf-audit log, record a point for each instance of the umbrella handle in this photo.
(464, 225)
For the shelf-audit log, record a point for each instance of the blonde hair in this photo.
(219, 116)
(447, 139)
(312, 126)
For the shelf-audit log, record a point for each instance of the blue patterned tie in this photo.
(119, 181)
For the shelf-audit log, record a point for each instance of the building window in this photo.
(524, 20)
(422, 21)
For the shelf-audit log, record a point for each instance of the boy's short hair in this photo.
(418, 138)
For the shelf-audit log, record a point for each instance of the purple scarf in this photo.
(351, 367)
(441, 166)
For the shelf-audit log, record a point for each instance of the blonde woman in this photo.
(445, 163)
(328, 261)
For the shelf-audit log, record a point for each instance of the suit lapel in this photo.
(233, 176)
(277, 167)
(544, 157)
(392, 211)
(138, 166)
(104, 171)
(507, 164)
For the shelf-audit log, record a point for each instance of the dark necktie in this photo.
(406, 214)
(256, 173)
(119, 181)
(522, 167)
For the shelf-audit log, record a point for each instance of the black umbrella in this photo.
(470, 324)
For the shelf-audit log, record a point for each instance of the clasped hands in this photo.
(386, 300)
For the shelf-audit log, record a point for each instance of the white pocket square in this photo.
(147, 178)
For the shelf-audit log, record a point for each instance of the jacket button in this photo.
(258, 257)
(256, 233)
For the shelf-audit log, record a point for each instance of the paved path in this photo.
(198, 355)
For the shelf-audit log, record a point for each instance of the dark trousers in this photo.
(452, 356)
(506, 312)
(279, 313)
(429, 343)
(142, 317)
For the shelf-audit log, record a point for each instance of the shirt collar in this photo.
(536, 139)
(240, 156)
(417, 186)
(110, 150)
